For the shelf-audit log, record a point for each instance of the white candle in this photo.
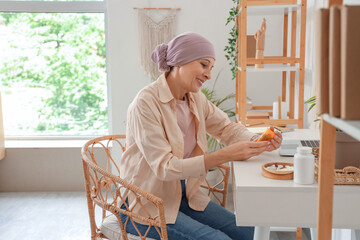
(284, 110)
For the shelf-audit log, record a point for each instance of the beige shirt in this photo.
(154, 157)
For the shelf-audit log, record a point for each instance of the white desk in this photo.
(265, 202)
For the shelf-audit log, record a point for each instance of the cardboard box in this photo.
(251, 47)
(350, 62)
(334, 61)
(321, 25)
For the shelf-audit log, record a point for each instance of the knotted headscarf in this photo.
(183, 49)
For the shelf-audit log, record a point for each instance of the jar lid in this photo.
(304, 149)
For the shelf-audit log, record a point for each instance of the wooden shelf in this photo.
(351, 127)
(288, 64)
(272, 68)
(273, 60)
(271, 9)
(274, 122)
(326, 169)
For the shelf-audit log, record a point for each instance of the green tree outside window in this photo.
(63, 55)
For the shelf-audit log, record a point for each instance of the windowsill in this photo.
(45, 143)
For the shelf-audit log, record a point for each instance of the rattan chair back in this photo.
(105, 188)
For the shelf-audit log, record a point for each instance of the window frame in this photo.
(61, 7)
(53, 7)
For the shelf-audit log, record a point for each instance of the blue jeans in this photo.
(215, 222)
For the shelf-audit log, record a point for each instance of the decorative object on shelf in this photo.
(154, 28)
(249, 104)
(280, 109)
(2, 139)
(260, 43)
(251, 47)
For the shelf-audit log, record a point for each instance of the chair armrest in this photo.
(219, 189)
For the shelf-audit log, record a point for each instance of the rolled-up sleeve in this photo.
(151, 139)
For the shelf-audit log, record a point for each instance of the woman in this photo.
(167, 149)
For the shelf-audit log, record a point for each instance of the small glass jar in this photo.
(304, 166)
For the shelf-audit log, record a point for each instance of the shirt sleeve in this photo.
(219, 126)
(151, 139)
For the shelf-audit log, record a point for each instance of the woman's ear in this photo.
(172, 71)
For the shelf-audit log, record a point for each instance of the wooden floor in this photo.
(45, 215)
(57, 216)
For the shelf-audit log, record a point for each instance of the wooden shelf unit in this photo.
(327, 164)
(326, 169)
(285, 64)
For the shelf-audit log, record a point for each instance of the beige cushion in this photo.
(111, 229)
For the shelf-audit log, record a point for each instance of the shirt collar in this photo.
(165, 94)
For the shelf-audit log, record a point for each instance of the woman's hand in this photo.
(239, 151)
(276, 141)
(244, 150)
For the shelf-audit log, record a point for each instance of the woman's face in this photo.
(193, 74)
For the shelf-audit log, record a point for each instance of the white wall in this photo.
(60, 168)
(264, 88)
(207, 17)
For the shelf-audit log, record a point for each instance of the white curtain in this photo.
(2, 139)
(312, 6)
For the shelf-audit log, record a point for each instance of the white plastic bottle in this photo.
(304, 164)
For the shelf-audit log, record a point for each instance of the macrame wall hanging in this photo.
(156, 26)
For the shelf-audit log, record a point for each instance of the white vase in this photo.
(249, 105)
(284, 110)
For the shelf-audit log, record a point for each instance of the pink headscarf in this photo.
(183, 49)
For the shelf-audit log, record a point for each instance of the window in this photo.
(53, 68)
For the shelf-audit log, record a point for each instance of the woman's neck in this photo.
(175, 89)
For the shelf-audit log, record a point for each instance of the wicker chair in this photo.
(105, 189)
